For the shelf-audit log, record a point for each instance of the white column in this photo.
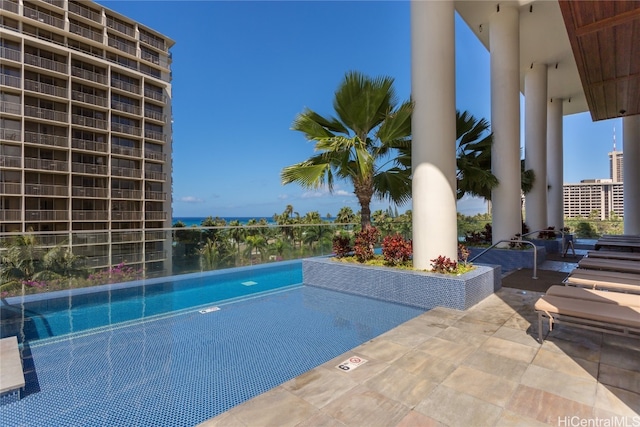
(631, 173)
(504, 42)
(535, 148)
(433, 155)
(555, 171)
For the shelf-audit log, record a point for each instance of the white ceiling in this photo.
(543, 39)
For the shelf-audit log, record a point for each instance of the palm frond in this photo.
(307, 174)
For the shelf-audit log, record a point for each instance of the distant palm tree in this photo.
(345, 215)
(359, 144)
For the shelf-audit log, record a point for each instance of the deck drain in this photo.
(209, 310)
(249, 283)
(351, 363)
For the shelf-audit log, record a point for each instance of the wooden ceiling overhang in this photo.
(605, 39)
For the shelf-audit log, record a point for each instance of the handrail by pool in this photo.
(535, 254)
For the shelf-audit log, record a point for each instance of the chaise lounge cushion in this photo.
(594, 295)
(590, 310)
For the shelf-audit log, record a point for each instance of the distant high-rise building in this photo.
(615, 162)
(85, 130)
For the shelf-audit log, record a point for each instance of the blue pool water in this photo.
(183, 367)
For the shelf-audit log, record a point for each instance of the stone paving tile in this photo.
(476, 326)
(416, 419)
(453, 408)
(618, 341)
(365, 407)
(448, 350)
(568, 386)
(492, 315)
(563, 363)
(521, 323)
(510, 349)
(574, 342)
(619, 378)
(411, 335)
(607, 418)
(401, 386)
(500, 366)
(516, 335)
(617, 401)
(510, 419)
(382, 350)
(321, 420)
(320, 386)
(622, 357)
(277, 407)
(488, 387)
(426, 366)
(544, 406)
(226, 419)
(361, 373)
(458, 335)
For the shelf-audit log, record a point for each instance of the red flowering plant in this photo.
(365, 242)
(396, 250)
(342, 245)
(444, 264)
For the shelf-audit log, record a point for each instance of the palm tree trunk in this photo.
(364, 192)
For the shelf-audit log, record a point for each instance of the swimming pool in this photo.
(181, 368)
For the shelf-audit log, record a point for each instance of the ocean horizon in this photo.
(197, 220)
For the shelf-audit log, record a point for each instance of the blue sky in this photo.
(242, 71)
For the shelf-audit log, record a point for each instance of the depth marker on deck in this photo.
(351, 363)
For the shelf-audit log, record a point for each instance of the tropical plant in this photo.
(396, 250)
(345, 216)
(342, 245)
(365, 240)
(358, 144)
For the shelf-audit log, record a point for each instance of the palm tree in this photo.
(357, 145)
(345, 215)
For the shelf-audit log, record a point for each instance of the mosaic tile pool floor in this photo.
(181, 370)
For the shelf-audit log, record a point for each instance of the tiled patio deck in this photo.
(481, 367)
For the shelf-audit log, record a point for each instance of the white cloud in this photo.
(283, 197)
(324, 192)
(190, 199)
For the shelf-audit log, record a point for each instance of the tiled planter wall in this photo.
(413, 288)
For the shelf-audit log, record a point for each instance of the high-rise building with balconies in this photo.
(85, 130)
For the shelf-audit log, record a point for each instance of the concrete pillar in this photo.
(631, 173)
(433, 154)
(555, 171)
(504, 42)
(535, 148)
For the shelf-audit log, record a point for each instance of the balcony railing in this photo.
(151, 58)
(86, 12)
(155, 195)
(130, 130)
(46, 216)
(10, 134)
(96, 261)
(129, 108)
(128, 172)
(125, 194)
(43, 17)
(10, 107)
(129, 87)
(10, 6)
(156, 255)
(113, 24)
(158, 44)
(78, 215)
(9, 53)
(155, 215)
(126, 151)
(46, 139)
(46, 190)
(126, 215)
(13, 81)
(90, 238)
(40, 87)
(154, 155)
(10, 188)
(10, 215)
(46, 164)
(158, 136)
(155, 235)
(86, 32)
(126, 258)
(7, 161)
(89, 192)
(88, 145)
(154, 115)
(88, 121)
(158, 96)
(124, 47)
(45, 113)
(89, 169)
(76, 95)
(88, 75)
(49, 64)
(157, 176)
(58, 3)
(126, 236)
